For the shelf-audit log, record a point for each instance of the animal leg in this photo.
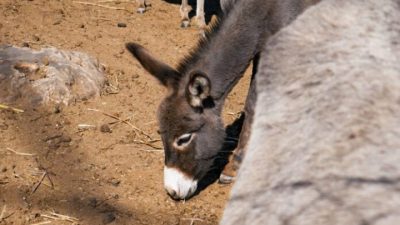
(142, 6)
(229, 173)
(184, 10)
(201, 22)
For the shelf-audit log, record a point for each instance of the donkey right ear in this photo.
(164, 73)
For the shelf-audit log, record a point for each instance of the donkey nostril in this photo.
(172, 194)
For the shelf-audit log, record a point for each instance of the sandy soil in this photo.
(98, 176)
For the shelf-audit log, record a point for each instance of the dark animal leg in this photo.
(230, 170)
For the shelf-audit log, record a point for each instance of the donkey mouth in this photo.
(178, 185)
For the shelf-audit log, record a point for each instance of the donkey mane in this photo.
(202, 45)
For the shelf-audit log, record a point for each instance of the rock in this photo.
(48, 76)
(115, 182)
(65, 138)
(105, 128)
(121, 24)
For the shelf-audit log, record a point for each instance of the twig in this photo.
(99, 18)
(192, 220)
(152, 150)
(102, 6)
(20, 153)
(3, 212)
(41, 223)
(39, 183)
(146, 143)
(123, 121)
(2, 106)
(108, 1)
(57, 216)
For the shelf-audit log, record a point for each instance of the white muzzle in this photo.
(177, 184)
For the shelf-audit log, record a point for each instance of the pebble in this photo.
(115, 182)
(121, 24)
(105, 128)
(65, 138)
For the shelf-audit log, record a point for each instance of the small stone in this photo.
(57, 109)
(57, 22)
(121, 24)
(4, 169)
(36, 38)
(82, 26)
(115, 182)
(66, 139)
(25, 44)
(105, 128)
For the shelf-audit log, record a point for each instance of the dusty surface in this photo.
(101, 175)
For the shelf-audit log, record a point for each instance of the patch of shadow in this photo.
(232, 132)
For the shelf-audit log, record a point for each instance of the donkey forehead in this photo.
(176, 116)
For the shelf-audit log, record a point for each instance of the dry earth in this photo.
(97, 175)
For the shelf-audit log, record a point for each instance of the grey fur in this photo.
(325, 143)
(222, 56)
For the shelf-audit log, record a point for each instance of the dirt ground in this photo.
(97, 176)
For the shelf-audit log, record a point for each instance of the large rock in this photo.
(325, 144)
(48, 76)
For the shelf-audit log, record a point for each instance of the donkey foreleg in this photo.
(184, 10)
(230, 170)
(201, 22)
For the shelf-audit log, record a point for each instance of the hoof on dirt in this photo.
(202, 33)
(185, 24)
(141, 10)
(225, 179)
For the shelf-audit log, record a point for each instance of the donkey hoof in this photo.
(202, 33)
(185, 24)
(225, 179)
(141, 10)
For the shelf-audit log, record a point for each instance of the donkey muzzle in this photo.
(177, 184)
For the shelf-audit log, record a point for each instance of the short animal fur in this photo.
(190, 115)
(325, 142)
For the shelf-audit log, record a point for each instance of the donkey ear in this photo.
(198, 89)
(164, 73)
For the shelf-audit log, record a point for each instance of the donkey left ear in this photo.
(198, 89)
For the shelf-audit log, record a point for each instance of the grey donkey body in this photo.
(325, 142)
(190, 115)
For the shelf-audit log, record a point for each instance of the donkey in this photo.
(325, 142)
(185, 9)
(190, 115)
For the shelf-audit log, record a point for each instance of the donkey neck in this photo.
(229, 51)
(230, 46)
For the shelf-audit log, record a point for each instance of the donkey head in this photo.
(190, 124)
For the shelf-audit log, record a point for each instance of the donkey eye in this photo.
(184, 139)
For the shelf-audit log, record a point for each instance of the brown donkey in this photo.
(190, 115)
